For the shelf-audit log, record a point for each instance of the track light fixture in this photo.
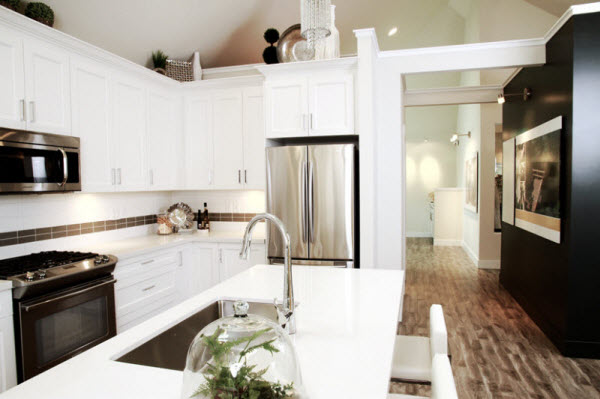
(454, 139)
(526, 95)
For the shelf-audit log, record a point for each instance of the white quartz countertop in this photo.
(346, 322)
(135, 246)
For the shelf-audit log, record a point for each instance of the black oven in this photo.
(38, 162)
(55, 327)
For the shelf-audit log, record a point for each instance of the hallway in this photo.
(496, 350)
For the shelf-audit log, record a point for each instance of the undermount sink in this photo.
(169, 349)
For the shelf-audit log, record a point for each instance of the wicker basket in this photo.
(180, 70)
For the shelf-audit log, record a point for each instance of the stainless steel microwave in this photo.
(38, 162)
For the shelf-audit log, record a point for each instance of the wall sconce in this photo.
(526, 95)
(454, 139)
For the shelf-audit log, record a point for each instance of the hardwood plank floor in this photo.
(497, 351)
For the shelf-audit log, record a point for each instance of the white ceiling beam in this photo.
(452, 96)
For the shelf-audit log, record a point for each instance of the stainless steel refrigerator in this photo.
(311, 188)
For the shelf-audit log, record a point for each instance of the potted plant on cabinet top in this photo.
(12, 4)
(159, 59)
(40, 12)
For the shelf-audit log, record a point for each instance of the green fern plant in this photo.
(40, 12)
(247, 383)
(159, 59)
(14, 5)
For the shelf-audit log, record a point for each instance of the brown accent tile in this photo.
(98, 229)
(226, 217)
(9, 241)
(130, 223)
(45, 230)
(111, 223)
(59, 234)
(75, 226)
(42, 237)
(139, 222)
(58, 229)
(131, 219)
(23, 240)
(87, 230)
(8, 235)
(111, 227)
(71, 233)
(122, 221)
(122, 226)
(87, 226)
(25, 233)
(101, 223)
(139, 218)
(149, 218)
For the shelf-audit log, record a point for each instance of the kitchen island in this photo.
(346, 326)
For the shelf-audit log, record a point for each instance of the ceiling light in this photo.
(393, 31)
(526, 94)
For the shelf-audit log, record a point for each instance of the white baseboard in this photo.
(419, 234)
(471, 254)
(447, 243)
(489, 264)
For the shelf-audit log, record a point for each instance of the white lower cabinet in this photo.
(149, 284)
(8, 363)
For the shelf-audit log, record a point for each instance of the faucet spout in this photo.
(288, 306)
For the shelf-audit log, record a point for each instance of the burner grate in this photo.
(40, 260)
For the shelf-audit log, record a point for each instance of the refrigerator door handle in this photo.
(303, 194)
(311, 200)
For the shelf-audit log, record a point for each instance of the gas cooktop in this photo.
(48, 271)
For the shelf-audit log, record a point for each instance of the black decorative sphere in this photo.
(270, 55)
(271, 35)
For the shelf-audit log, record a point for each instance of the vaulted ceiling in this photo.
(229, 32)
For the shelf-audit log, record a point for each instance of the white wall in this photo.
(429, 164)
(225, 201)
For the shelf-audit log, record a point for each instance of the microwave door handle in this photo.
(69, 295)
(65, 168)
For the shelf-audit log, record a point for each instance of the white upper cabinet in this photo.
(331, 104)
(254, 139)
(47, 87)
(90, 92)
(287, 107)
(12, 81)
(164, 142)
(198, 142)
(128, 134)
(227, 139)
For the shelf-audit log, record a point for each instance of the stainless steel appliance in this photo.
(64, 303)
(38, 162)
(311, 188)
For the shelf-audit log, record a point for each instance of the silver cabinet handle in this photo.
(31, 111)
(210, 176)
(22, 102)
(147, 262)
(239, 176)
(311, 121)
(119, 176)
(303, 121)
(65, 168)
(311, 200)
(149, 288)
(303, 207)
(245, 175)
(151, 177)
(220, 255)
(113, 178)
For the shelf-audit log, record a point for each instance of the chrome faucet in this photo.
(286, 309)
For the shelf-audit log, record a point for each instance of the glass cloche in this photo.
(244, 356)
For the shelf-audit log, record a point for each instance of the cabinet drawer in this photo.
(137, 295)
(159, 305)
(142, 269)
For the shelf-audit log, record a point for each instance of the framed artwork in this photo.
(471, 181)
(508, 185)
(537, 180)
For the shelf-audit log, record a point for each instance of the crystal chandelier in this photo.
(316, 19)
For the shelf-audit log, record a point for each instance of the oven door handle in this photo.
(69, 295)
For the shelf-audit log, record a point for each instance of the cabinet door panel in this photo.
(129, 130)
(331, 105)
(8, 366)
(198, 143)
(12, 82)
(227, 138)
(198, 269)
(254, 140)
(47, 88)
(165, 142)
(231, 264)
(287, 108)
(91, 123)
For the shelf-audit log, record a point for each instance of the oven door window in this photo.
(63, 332)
